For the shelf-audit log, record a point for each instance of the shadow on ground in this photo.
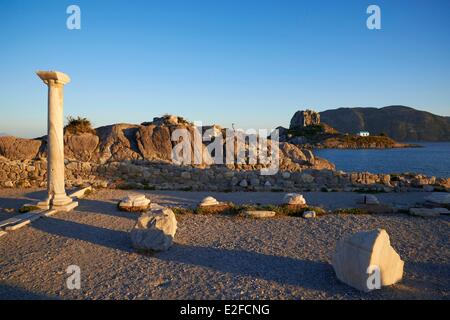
(10, 292)
(114, 239)
(37, 195)
(104, 207)
(315, 275)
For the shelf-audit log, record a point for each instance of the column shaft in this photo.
(55, 169)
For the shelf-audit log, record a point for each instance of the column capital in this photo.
(53, 77)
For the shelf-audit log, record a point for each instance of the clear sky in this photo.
(248, 62)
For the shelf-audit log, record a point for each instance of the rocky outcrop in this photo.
(151, 141)
(304, 119)
(118, 142)
(154, 142)
(19, 149)
(292, 158)
(82, 147)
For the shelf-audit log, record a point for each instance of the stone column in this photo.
(57, 197)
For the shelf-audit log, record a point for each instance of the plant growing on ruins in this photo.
(88, 192)
(232, 209)
(293, 211)
(28, 208)
(350, 211)
(78, 125)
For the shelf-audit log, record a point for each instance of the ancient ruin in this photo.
(364, 254)
(57, 197)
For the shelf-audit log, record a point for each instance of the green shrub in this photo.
(25, 209)
(350, 211)
(78, 125)
(281, 209)
(181, 211)
(237, 210)
(308, 131)
(370, 140)
(181, 120)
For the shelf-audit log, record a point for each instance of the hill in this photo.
(306, 130)
(398, 122)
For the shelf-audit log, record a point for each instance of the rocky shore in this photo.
(130, 156)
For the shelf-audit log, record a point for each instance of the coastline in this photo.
(396, 146)
(432, 159)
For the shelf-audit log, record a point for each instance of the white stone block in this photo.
(155, 230)
(355, 256)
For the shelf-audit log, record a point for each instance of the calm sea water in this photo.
(433, 159)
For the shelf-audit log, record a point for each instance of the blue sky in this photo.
(248, 62)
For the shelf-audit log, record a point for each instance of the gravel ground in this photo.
(214, 257)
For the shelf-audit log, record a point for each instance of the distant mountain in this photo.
(3, 134)
(398, 122)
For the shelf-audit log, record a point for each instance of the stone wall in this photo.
(141, 174)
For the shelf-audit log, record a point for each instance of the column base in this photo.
(65, 207)
(61, 203)
(43, 205)
(61, 200)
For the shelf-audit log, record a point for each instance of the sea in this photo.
(432, 159)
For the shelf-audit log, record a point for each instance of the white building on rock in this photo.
(363, 133)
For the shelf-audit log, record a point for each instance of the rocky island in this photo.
(307, 130)
(401, 123)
